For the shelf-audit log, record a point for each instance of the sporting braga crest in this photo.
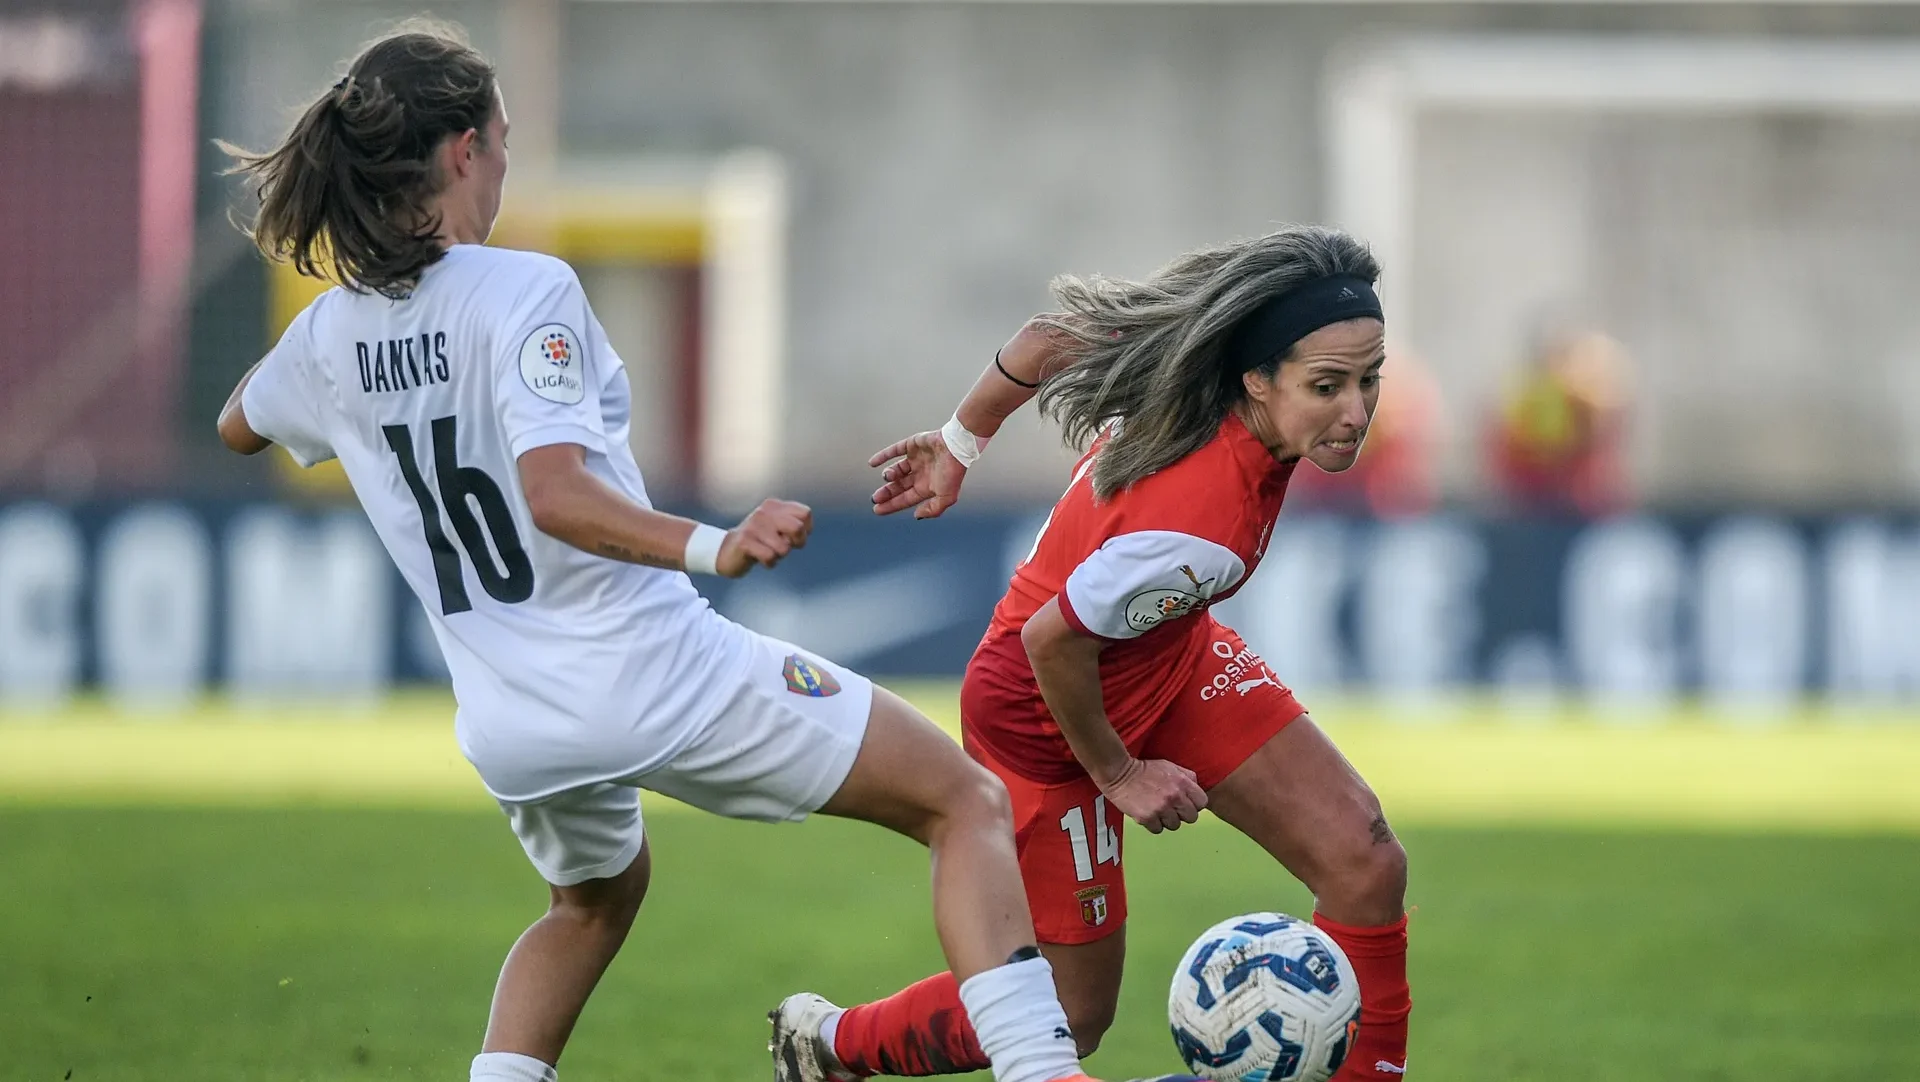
(806, 678)
(1093, 905)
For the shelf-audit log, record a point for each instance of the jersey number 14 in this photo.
(458, 484)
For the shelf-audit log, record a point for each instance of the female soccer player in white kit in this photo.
(482, 418)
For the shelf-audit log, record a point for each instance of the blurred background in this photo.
(1650, 428)
(1641, 494)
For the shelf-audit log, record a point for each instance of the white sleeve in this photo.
(1137, 581)
(281, 401)
(545, 367)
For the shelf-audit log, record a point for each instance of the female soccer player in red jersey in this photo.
(1104, 690)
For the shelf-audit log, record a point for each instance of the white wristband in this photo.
(703, 550)
(966, 446)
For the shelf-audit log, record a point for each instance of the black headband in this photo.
(1272, 329)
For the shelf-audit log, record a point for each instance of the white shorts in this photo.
(781, 748)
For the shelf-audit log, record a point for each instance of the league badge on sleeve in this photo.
(1149, 609)
(806, 678)
(550, 364)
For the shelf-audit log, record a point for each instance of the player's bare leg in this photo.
(1087, 976)
(1301, 800)
(911, 778)
(556, 963)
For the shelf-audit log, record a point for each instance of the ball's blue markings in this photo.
(1314, 970)
(1195, 1054)
(1296, 1022)
(1259, 927)
(1198, 971)
(1338, 1054)
(1286, 1063)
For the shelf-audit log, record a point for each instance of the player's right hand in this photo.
(920, 473)
(765, 537)
(1157, 794)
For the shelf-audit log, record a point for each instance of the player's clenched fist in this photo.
(764, 537)
(1157, 794)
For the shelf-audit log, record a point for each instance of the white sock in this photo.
(1022, 1028)
(509, 1067)
(828, 1029)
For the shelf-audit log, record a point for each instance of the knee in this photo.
(987, 799)
(1384, 879)
(978, 799)
(605, 907)
(1370, 883)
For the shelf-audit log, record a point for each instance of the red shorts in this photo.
(1068, 836)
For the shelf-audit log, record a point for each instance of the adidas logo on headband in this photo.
(1272, 328)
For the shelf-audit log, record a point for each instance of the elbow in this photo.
(1050, 640)
(1032, 641)
(547, 509)
(1041, 637)
(552, 480)
(552, 505)
(237, 436)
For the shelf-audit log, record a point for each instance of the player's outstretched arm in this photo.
(1157, 794)
(569, 503)
(925, 471)
(234, 430)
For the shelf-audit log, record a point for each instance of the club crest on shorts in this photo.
(806, 678)
(1093, 905)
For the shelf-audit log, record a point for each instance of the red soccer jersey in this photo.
(1138, 570)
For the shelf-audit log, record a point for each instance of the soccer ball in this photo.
(1264, 998)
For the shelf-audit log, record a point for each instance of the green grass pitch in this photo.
(332, 943)
(324, 892)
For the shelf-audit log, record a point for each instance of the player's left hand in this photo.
(764, 537)
(921, 473)
(1157, 794)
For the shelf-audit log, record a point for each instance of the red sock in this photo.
(920, 1030)
(1379, 957)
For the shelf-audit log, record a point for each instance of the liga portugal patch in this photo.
(1093, 905)
(806, 678)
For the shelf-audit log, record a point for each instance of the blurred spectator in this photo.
(1558, 442)
(1395, 475)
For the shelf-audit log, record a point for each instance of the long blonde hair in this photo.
(1150, 354)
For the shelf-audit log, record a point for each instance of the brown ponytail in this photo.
(344, 196)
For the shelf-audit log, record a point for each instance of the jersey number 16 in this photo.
(457, 485)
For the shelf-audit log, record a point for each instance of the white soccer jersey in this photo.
(567, 666)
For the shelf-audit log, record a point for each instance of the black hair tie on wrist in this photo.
(1010, 375)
